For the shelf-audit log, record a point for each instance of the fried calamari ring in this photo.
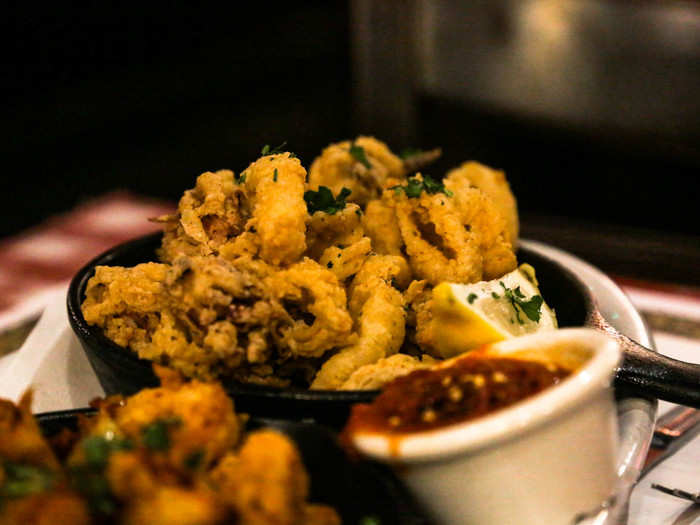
(380, 225)
(494, 184)
(275, 185)
(325, 230)
(482, 216)
(438, 246)
(364, 173)
(376, 375)
(306, 289)
(207, 217)
(379, 309)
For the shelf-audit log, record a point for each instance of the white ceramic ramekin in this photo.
(544, 460)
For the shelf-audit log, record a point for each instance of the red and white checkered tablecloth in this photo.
(38, 261)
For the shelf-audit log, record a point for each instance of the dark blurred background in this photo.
(591, 107)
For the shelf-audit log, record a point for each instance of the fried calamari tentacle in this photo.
(376, 375)
(315, 302)
(379, 310)
(275, 184)
(204, 316)
(363, 166)
(482, 216)
(413, 162)
(438, 246)
(380, 225)
(494, 184)
(208, 216)
(325, 230)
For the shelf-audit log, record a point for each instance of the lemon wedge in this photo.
(466, 316)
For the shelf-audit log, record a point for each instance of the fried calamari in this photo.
(268, 279)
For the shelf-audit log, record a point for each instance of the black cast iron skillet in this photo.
(642, 372)
(356, 489)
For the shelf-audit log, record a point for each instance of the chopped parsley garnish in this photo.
(410, 152)
(274, 176)
(471, 298)
(322, 200)
(495, 295)
(267, 150)
(156, 435)
(358, 153)
(88, 478)
(22, 480)
(193, 460)
(240, 179)
(97, 449)
(414, 186)
(531, 308)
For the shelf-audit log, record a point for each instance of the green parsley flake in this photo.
(267, 150)
(240, 179)
(358, 153)
(274, 177)
(322, 200)
(414, 186)
(531, 308)
(22, 480)
(471, 298)
(156, 435)
(194, 460)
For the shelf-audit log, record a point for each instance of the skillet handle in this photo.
(651, 374)
(648, 373)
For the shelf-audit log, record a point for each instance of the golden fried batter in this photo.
(207, 217)
(380, 225)
(494, 184)
(200, 414)
(376, 375)
(20, 438)
(336, 168)
(265, 482)
(326, 230)
(438, 246)
(379, 310)
(485, 220)
(255, 289)
(345, 261)
(167, 456)
(205, 316)
(275, 184)
(316, 303)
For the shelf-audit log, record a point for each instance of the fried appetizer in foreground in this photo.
(170, 455)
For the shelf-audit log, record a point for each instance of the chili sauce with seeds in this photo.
(469, 388)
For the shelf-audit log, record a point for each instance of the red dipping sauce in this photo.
(471, 387)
